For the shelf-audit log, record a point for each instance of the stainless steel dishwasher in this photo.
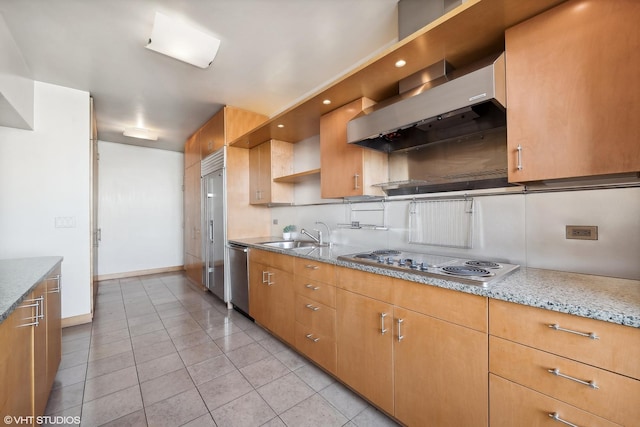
(239, 276)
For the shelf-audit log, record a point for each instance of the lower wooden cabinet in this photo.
(365, 348)
(515, 405)
(31, 339)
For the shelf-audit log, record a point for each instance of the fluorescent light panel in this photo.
(182, 42)
(141, 133)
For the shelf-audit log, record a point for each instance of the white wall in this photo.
(139, 208)
(44, 174)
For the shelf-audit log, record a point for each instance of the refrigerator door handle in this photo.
(211, 230)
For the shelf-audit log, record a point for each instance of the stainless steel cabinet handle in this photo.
(519, 151)
(557, 373)
(383, 330)
(591, 335)
(556, 417)
(40, 308)
(264, 276)
(269, 282)
(35, 320)
(312, 307)
(310, 337)
(311, 267)
(400, 336)
(57, 279)
(313, 288)
(355, 178)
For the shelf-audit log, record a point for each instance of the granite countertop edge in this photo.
(18, 277)
(603, 298)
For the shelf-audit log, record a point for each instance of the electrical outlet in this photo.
(582, 232)
(275, 222)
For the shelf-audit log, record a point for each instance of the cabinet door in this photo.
(254, 175)
(440, 372)
(212, 134)
(573, 91)
(40, 390)
(54, 329)
(16, 387)
(346, 168)
(258, 296)
(270, 160)
(365, 354)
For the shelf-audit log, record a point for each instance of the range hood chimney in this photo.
(470, 101)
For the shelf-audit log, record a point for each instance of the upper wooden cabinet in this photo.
(266, 162)
(225, 126)
(573, 91)
(348, 170)
(192, 150)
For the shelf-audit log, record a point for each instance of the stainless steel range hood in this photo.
(472, 102)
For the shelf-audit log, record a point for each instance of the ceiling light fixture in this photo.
(182, 42)
(281, 125)
(326, 102)
(401, 63)
(140, 133)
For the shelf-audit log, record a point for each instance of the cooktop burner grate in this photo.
(462, 270)
(483, 264)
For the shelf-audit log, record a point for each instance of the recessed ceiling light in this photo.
(326, 102)
(401, 63)
(280, 125)
(182, 42)
(140, 133)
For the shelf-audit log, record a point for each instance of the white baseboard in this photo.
(140, 273)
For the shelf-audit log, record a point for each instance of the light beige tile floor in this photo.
(162, 353)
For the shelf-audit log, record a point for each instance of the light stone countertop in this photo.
(18, 277)
(597, 297)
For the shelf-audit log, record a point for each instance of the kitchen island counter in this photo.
(609, 299)
(18, 277)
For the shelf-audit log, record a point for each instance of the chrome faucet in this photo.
(318, 239)
(328, 232)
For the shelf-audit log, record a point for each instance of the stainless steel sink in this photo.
(291, 244)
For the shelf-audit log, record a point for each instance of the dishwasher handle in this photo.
(238, 247)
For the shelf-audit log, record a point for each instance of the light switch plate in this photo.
(582, 232)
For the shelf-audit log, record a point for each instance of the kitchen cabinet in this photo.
(193, 224)
(348, 170)
(315, 313)
(267, 161)
(192, 150)
(33, 334)
(439, 366)
(587, 370)
(573, 92)
(364, 335)
(271, 293)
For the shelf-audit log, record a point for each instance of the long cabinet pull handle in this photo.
(355, 179)
(312, 307)
(57, 279)
(519, 151)
(383, 330)
(35, 320)
(310, 337)
(400, 336)
(591, 335)
(556, 417)
(313, 288)
(311, 267)
(557, 373)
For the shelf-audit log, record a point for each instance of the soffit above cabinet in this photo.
(466, 34)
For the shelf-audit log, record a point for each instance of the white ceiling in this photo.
(272, 54)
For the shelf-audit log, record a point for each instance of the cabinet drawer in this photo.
(617, 347)
(511, 404)
(315, 270)
(319, 317)
(453, 306)
(319, 348)
(283, 262)
(617, 397)
(317, 291)
(367, 284)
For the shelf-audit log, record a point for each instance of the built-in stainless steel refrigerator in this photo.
(214, 220)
